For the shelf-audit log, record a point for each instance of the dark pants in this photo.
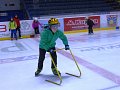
(37, 30)
(13, 33)
(90, 29)
(18, 30)
(42, 53)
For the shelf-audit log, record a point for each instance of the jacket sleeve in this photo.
(9, 26)
(63, 38)
(15, 24)
(40, 24)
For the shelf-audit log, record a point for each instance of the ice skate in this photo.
(11, 39)
(55, 72)
(37, 72)
(20, 37)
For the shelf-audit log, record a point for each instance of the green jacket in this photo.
(12, 25)
(48, 39)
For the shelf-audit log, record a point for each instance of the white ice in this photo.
(98, 57)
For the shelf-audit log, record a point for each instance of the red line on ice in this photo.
(106, 74)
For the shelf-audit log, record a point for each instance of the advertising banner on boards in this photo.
(111, 20)
(79, 23)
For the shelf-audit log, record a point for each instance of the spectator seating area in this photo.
(118, 1)
(115, 4)
(61, 7)
(6, 15)
(38, 8)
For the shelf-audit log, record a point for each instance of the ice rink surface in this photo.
(98, 57)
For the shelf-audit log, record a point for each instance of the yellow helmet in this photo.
(53, 21)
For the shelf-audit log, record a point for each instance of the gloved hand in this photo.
(67, 47)
(51, 50)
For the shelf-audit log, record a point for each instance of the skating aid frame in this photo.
(59, 76)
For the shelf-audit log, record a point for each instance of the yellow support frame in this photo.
(57, 73)
(76, 65)
(66, 73)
